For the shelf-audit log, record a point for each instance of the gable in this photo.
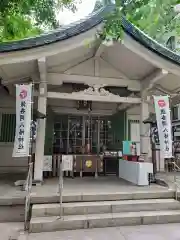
(87, 68)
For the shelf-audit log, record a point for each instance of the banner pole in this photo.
(30, 158)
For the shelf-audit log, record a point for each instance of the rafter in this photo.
(100, 49)
(149, 56)
(162, 89)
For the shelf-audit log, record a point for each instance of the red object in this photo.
(161, 103)
(23, 94)
(134, 159)
(125, 157)
(130, 158)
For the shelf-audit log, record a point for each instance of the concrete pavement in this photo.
(10, 230)
(152, 232)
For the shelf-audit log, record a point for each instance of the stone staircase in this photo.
(108, 211)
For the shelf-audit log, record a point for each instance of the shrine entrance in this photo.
(82, 134)
(91, 140)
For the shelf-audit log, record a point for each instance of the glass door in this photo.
(82, 134)
(75, 134)
(91, 134)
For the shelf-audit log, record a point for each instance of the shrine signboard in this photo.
(47, 164)
(67, 162)
(164, 124)
(23, 120)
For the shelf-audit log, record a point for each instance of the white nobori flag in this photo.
(164, 124)
(23, 120)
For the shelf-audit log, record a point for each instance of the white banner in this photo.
(164, 124)
(23, 120)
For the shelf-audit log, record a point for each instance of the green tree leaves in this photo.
(157, 18)
(25, 18)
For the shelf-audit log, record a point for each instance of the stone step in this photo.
(102, 196)
(49, 224)
(80, 208)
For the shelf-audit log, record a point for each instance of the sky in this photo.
(84, 8)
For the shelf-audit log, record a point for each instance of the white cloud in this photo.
(83, 9)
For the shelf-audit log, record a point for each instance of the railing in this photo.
(176, 168)
(28, 187)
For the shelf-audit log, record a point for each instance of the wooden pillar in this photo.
(41, 126)
(144, 129)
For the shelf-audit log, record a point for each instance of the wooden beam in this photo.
(96, 66)
(153, 78)
(64, 110)
(100, 49)
(175, 100)
(21, 79)
(176, 90)
(128, 106)
(125, 106)
(97, 98)
(42, 98)
(43, 76)
(17, 80)
(162, 89)
(42, 65)
(59, 79)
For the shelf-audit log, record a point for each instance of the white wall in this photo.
(134, 114)
(178, 111)
(7, 162)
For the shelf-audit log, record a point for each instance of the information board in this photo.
(67, 162)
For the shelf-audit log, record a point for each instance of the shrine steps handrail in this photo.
(176, 168)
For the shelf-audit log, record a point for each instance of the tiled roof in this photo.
(84, 25)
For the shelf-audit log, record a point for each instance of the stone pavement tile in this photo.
(155, 232)
(145, 236)
(173, 231)
(83, 234)
(8, 230)
(149, 232)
